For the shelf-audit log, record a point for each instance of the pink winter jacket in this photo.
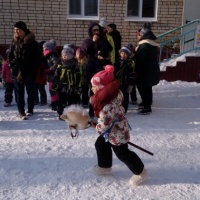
(6, 73)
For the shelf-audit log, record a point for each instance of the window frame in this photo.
(81, 16)
(140, 18)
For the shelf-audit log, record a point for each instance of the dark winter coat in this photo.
(67, 77)
(146, 62)
(41, 77)
(91, 48)
(117, 41)
(124, 72)
(25, 55)
(51, 61)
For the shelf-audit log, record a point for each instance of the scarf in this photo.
(104, 96)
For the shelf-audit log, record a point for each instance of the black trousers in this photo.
(8, 95)
(129, 158)
(40, 89)
(20, 95)
(146, 94)
(66, 100)
(133, 94)
(126, 97)
(85, 94)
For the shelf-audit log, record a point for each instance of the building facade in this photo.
(67, 21)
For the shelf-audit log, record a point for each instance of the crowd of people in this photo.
(100, 75)
(31, 65)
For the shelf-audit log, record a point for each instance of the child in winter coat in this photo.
(133, 93)
(124, 71)
(67, 81)
(51, 60)
(112, 126)
(40, 82)
(82, 64)
(6, 79)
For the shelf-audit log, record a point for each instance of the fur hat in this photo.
(126, 49)
(49, 45)
(76, 116)
(69, 52)
(95, 27)
(103, 23)
(113, 26)
(21, 25)
(103, 52)
(103, 77)
(145, 29)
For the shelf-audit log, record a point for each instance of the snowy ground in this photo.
(40, 161)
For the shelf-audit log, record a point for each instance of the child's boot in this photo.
(138, 179)
(101, 170)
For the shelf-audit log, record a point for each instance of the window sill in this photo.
(83, 18)
(141, 19)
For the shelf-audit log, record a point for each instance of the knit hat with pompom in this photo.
(104, 77)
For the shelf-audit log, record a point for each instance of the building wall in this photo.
(48, 19)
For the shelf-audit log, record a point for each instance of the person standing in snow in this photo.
(24, 57)
(112, 31)
(112, 126)
(124, 71)
(146, 67)
(91, 46)
(51, 60)
(8, 82)
(108, 37)
(66, 81)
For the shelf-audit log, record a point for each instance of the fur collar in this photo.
(148, 41)
(27, 39)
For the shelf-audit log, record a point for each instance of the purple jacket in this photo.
(91, 48)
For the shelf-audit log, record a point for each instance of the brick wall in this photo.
(48, 19)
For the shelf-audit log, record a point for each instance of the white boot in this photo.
(138, 179)
(101, 171)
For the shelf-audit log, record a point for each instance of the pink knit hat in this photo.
(103, 77)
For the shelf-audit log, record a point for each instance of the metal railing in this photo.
(178, 41)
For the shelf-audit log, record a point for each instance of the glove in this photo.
(129, 89)
(93, 124)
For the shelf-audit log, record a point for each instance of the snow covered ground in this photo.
(40, 161)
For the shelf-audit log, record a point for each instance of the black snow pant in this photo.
(8, 95)
(146, 94)
(129, 158)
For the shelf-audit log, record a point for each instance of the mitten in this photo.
(129, 89)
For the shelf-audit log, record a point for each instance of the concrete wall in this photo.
(48, 19)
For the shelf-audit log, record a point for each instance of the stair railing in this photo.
(178, 41)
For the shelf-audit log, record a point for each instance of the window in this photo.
(142, 10)
(83, 9)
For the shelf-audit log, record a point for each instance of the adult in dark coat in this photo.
(91, 46)
(146, 67)
(25, 56)
(112, 30)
